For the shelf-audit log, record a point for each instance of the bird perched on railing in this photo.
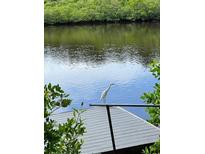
(104, 93)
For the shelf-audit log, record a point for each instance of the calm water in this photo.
(84, 60)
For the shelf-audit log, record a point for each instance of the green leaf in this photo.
(65, 102)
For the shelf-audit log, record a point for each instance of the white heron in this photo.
(104, 93)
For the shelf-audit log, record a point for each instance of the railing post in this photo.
(111, 129)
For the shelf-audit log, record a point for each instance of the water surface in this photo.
(84, 60)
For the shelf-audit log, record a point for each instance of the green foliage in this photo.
(153, 149)
(61, 138)
(66, 11)
(153, 98)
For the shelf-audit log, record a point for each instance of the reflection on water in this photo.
(84, 60)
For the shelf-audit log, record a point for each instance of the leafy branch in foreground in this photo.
(153, 98)
(61, 138)
(153, 149)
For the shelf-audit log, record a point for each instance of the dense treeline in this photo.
(73, 11)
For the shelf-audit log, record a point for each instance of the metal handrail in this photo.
(126, 105)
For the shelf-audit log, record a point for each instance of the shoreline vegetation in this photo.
(59, 12)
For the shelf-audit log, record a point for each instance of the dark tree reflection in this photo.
(100, 44)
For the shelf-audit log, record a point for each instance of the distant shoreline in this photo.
(57, 12)
(81, 23)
